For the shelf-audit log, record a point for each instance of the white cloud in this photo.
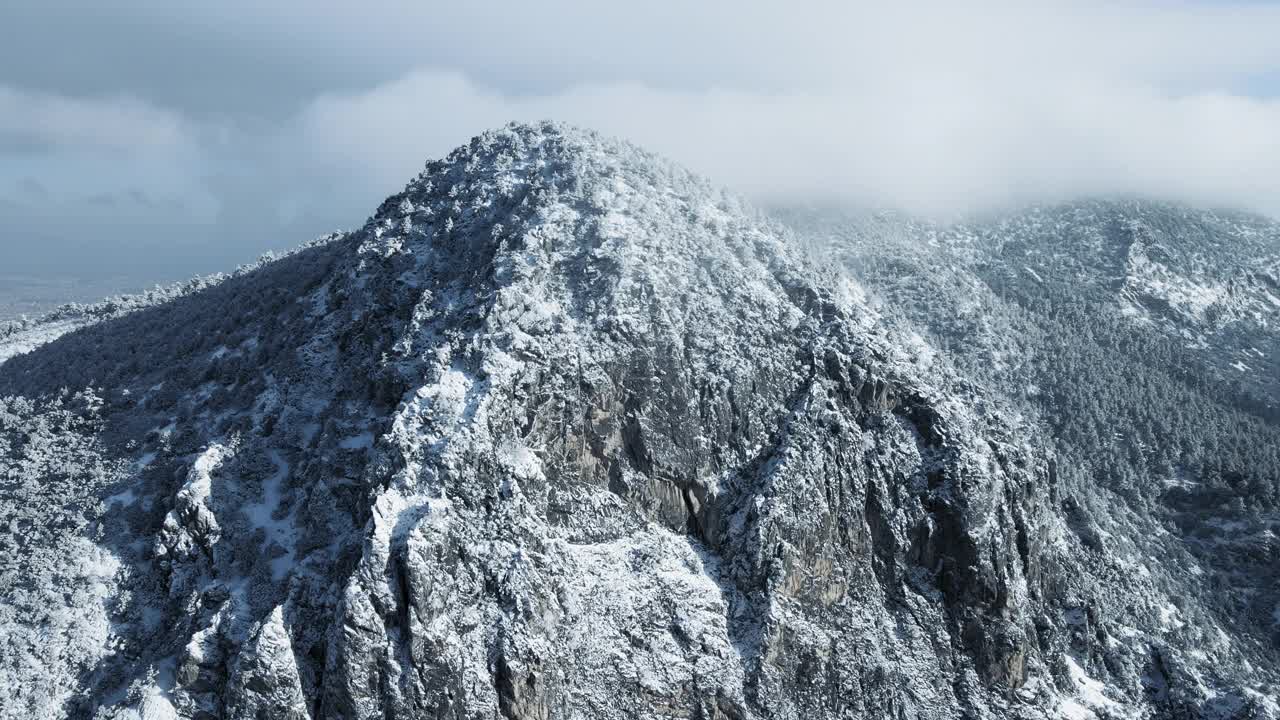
(303, 116)
(937, 144)
(933, 107)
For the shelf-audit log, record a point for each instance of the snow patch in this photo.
(261, 514)
(1090, 698)
(1169, 619)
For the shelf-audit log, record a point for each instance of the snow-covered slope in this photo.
(561, 432)
(26, 339)
(1087, 317)
(23, 334)
(1206, 280)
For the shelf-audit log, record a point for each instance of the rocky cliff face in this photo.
(561, 432)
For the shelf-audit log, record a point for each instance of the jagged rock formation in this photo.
(561, 432)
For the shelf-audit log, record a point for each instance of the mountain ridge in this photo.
(562, 431)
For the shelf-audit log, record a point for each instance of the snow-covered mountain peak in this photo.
(597, 218)
(562, 431)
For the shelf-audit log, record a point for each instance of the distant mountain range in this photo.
(564, 431)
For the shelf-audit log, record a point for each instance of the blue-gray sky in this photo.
(158, 139)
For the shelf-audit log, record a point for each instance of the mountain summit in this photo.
(562, 432)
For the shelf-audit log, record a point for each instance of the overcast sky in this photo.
(156, 140)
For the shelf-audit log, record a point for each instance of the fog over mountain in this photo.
(172, 141)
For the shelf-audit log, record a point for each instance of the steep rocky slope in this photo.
(561, 432)
(1164, 436)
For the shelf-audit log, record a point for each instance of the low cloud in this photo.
(928, 107)
(249, 126)
(935, 146)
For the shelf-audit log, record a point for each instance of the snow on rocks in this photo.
(565, 432)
